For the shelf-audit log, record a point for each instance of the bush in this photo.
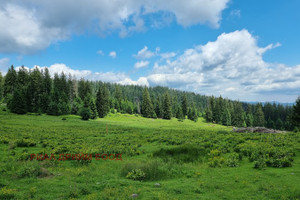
(29, 169)
(183, 153)
(260, 163)
(6, 193)
(216, 162)
(25, 143)
(85, 113)
(147, 171)
(232, 160)
(136, 175)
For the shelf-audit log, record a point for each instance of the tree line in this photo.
(36, 91)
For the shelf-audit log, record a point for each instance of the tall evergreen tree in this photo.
(1, 86)
(167, 112)
(18, 102)
(238, 115)
(249, 120)
(184, 105)
(208, 114)
(147, 107)
(295, 118)
(158, 108)
(119, 97)
(10, 81)
(179, 114)
(259, 118)
(102, 101)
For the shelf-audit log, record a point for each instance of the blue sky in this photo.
(246, 50)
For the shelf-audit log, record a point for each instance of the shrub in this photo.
(151, 170)
(232, 160)
(29, 169)
(136, 175)
(260, 163)
(85, 113)
(25, 143)
(6, 193)
(216, 162)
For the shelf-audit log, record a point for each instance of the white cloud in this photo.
(231, 66)
(4, 65)
(144, 53)
(100, 52)
(141, 64)
(28, 26)
(113, 54)
(168, 55)
(22, 32)
(142, 81)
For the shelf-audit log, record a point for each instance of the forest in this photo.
(36, 91)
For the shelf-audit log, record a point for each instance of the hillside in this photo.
(161, 159)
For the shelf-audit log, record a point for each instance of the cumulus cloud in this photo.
(120, 77)
(4, 64)
(28, 26)
(141, 64)
(231, 66)
(113, 54)
(144, 53)
(142, 81)
(167, 55)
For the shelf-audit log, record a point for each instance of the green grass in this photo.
(189, 160)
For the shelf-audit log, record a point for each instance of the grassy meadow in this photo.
(161, 159)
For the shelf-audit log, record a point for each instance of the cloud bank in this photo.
(28, 26)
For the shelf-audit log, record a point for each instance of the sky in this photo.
(241, 50)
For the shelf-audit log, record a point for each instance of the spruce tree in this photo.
(179, 113)
(295, 118)
(10, 81)
(238, 115)
(102, 101)
(208, 114)
(167, 112)
(18, 102)
(259, 118)
(158, 108)
(147, 107)
(1, 86)
(184, 105)
(249, 120)
(93, 108)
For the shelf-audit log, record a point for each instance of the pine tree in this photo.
(179, 113)
(119, 97)
(295, 118)
(259, 118)
(249, 120)
(279, 124)
(238, 115)
(147, 107)
(10, 81)
(1, 86)
(184, 105)
(208, 114)
(158, 108)
(46, 91)
(226, 117)
(102, 101)
(34, 90)
(93, 108)
(18, 103)
(166, 108)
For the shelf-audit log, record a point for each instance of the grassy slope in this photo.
(137, 138)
